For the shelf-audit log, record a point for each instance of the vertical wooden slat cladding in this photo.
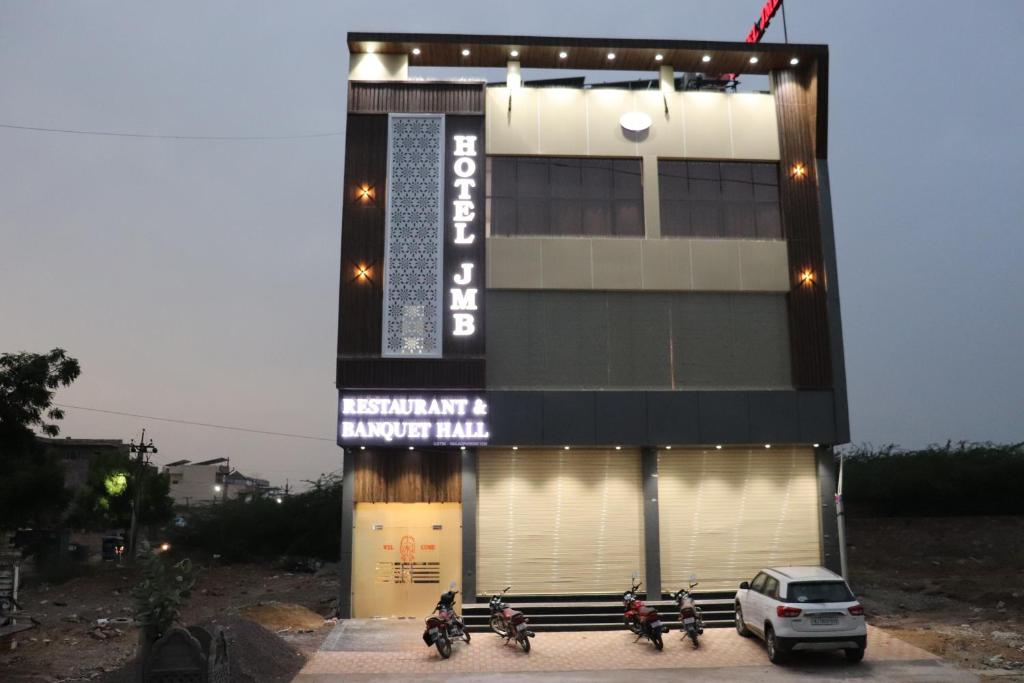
(796, 100)
(393, 476)
(416, 373)
(362, 235)
(428, 97)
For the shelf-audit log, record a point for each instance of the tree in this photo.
(31, 481)
(106, 500)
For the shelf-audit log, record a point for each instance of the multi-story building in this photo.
(211, 481)
(585, 330)
(77, 455)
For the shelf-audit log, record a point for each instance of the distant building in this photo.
(210, 481)
(77, 454)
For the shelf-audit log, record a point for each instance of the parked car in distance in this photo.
(801, 608)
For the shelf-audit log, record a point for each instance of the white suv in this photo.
(801, 608)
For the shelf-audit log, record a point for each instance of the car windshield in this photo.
(819, 591)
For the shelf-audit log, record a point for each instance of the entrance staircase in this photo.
(596, 612)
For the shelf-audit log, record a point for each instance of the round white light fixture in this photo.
(514, 53)
(565, 448)
(563, 55)
(415, 50)
(362, 448)
(658, 57)
(706, 58)
(668, 448)
(515, 448)
(635, 121)
(767, 445)
(753, 60)
(410, 448)
(611, 55)
(817, 445)
(462, 448)
(794, 61)
(718, 447)
(465, 52)
(618, 448)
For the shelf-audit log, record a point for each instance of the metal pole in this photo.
(133, 533)
(841, 520)
(785, 31)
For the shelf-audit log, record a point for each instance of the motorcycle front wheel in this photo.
(524, 643)
(465, 634)
(656, 639)
(497, 625)
(444, 647)
(693, 637)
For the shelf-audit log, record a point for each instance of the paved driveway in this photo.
(392, 650)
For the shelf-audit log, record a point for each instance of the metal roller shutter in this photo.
(725, 514)
(559, 522)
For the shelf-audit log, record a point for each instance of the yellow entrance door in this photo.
(404, 556)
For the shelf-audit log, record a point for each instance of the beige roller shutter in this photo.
(559, 522)
(724, 514)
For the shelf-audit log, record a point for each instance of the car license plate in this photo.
(688, 620)
(824, 621)
(655, 625)
(520, 627)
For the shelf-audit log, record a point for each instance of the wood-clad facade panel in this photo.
(412, 97)
(407, 476)
(796, 104)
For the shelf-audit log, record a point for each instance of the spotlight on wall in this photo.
(718, 447)
(565, 448)
(798, 171)
(514, 53)
(807, 277)
(658, 57)
(817, 445)
(753, 60)
(362, 272)
(794, 61)
(515, 448)
(416, 51)
(668, 448)
(411, 448)
(362, 448)
(465, 52)
(364, 193)
(618, 448)
(611, 56)
(706, 58)
(563, 54)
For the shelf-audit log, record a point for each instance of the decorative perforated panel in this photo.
(414, 237)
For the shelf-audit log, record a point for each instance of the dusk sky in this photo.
(198, 279)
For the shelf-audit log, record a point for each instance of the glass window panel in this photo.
(703, 170)
(766, 193)
(503, 176)
(532, 177)
(675, 219)
(566, 217)
(565, 178)
(706, 219)
(503, 216)
(532, 216)
(629, 218)
(627, 180)
(738, 220)
(766, 174)
(597, 179)
(769, 220)
(735, 170)
(737, 191)
(705, 190)
(596, 217)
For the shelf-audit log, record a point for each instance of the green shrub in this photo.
(949, 480)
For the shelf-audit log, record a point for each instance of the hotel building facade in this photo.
(586, 330)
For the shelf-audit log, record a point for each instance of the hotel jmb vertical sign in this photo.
(464, 237)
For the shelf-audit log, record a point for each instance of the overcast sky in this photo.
(199, 279)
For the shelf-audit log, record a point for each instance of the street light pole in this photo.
(142, 449)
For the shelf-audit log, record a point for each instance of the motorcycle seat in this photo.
(508, 612)
(647, 610)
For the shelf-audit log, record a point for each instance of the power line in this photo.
(197, 424)
(153, 136)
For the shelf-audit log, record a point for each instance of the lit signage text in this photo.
(768, 11)
(398, 419)
(463, 304)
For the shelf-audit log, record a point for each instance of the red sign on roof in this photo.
(761, 25)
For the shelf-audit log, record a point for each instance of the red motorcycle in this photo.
(509, 623)
(642, 620)
(444, 625)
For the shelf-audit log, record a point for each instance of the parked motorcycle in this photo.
(509, 623)
(690, 615)
(640, 619)
(445, 626)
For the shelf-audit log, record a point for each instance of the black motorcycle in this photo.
(690, 615)
(509, 623)
(445, 626)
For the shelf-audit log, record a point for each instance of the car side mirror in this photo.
(745, 585)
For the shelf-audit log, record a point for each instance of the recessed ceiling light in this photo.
(668, 448)
(794, 61)
(817, 445)
(618, 448)
(465, 52)
(370, 50)
(767, 445)
(563, 55)
(515, 448)
(718, 447)
(658, 57)
(706, 58)
(514, 53)
(753, 60)
(415, 50)
(362, 448)
(565, 447)
(611, 55)
(410, 448)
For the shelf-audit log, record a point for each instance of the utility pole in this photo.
(142, 450)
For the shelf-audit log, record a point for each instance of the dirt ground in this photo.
(952, 586)
(68, 645)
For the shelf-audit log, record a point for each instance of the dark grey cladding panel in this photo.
(817, 418)
(673, 417)
(773, 416)
(569, 417)
(517, 417)
(620, 417)
(723, 417)
(655, 418)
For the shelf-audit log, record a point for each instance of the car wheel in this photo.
(854, 654)
(741, 628)
(775, 653)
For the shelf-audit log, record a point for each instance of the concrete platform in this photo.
(392, 650)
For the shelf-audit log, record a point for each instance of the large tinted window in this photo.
(565, 196)
(818, 591)
(719, 199)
